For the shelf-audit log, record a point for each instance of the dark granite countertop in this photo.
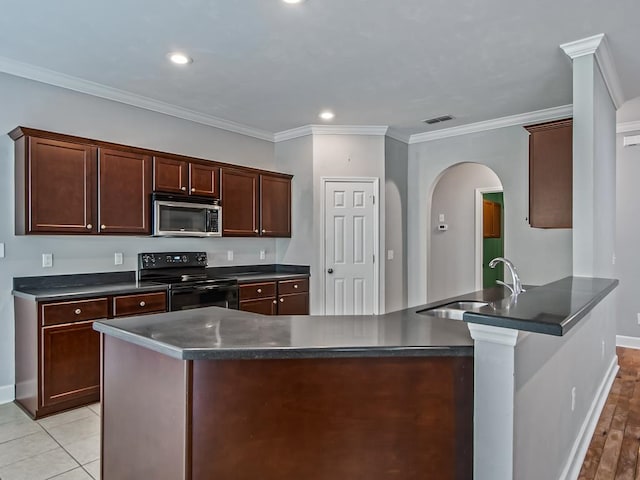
(69, 287)
(260, 277)
(218, 333)
(215, 333)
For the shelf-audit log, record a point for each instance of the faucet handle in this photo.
(511, 289)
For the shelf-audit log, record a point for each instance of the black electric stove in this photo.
(185, 274)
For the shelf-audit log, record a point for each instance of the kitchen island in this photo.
(214, 393)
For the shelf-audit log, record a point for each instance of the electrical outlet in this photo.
(573, 399)
(230, 255)
(1, 250)
(602, 348)
(263, 254)
(389, 254)
(47, 260)
(117, 258)
(638, 318)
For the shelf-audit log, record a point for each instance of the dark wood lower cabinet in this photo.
(282, 297)
(70, 363)
(264, 306)
(315, 419)
(297, 304)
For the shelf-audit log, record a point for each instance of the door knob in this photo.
(330, 270)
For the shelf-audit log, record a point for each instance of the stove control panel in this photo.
(147, 261)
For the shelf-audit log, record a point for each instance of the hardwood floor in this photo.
(613, 452)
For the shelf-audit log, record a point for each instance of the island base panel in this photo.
(319, 419)
(144, 413)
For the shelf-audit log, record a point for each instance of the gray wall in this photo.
(396, 156)
(540, 255)
(45, 107)
(452, 256)
(627, 268)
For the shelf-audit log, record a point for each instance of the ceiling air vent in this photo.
(444, 118)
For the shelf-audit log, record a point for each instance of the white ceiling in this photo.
(273, 67)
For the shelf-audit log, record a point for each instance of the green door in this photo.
(493, 246)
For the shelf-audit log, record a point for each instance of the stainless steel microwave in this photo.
(175, 216)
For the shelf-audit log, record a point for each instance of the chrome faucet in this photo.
(516, 289)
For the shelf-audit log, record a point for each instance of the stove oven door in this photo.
(185, 298)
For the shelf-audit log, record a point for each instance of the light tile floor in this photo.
(62, 447)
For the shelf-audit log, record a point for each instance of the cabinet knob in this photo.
(184, 189)
(77, 311)
(255, 231)
(193, 189)
(281, 300)
(103, 227)
(259, 290)
(89, 226)
(264, 231)
(295, 286)
(275, 303)
(142, 304)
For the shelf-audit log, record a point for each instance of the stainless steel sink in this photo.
(453, 311)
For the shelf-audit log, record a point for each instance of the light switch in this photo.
(1, 250)
(263, 254)
(230, 255)
(117, 258)
(47, 260)
(441, 217)
(389, 254)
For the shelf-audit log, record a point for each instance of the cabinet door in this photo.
(170, 175)
(551, 174)
(264, 306)
(203, 180)
(297, 304)
(239, 194)
(275, 206)
(70, 363)
(61, 187)
(124, 192)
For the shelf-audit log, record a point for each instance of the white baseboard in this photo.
(581, 445)
(628, 342)
(7, 393)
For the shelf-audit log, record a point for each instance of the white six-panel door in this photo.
(349, 247)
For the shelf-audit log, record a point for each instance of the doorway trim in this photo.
(375, 182)
(478, 236)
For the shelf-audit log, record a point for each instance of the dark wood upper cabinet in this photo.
(170, 175)
(239, 195)
(55, 186)
(124, 192)
(551, 174)
(275, 206)
(185, 177)
(204, 180)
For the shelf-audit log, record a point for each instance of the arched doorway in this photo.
(456, 233)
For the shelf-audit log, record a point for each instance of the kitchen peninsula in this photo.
(214, 393)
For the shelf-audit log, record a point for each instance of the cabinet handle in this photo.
(142, 304)
(184, 189)
(259, 290)
(281, 300)
(295, 286)
(89, 226)
(77, 311)
(193, 189)
(103, 227)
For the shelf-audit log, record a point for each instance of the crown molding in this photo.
(598, 45)
(396, 135)
(51, 77)
(628, 127)
(377, 130)
(510, 121)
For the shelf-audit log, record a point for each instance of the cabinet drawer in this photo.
(257, 290)
(286, 287)
(75, 311)
(137, 304)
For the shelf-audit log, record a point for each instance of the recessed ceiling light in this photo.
(179, 58)
(327, 115)
(293, 2)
